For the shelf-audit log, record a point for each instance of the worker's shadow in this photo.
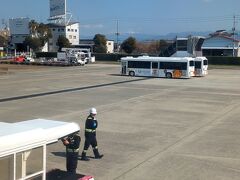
(63, 154)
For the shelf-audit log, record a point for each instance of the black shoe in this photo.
(85, 158)
(71, 171)
(99, 156)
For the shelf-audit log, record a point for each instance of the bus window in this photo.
(173, 65)
(198, 64)
(154, 65)
(183, 66)
(139, 64)
(205, 62)
(192, 63)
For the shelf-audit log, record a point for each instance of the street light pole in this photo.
(117, 34)
(233, 29)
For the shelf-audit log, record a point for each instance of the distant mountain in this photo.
(169, 36)
(148, 37)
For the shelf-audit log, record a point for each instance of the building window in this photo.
(58, 30)
(53, 29)
(62, 30)
(70, 36)
(72, 30)
(68, 29)
(74, 37)
(75, 30)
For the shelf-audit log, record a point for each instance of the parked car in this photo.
(19, 59)
(23, 58)
(28, 59)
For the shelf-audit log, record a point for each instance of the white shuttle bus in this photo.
(201, 66)
(169, 67)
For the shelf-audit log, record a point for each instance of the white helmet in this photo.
(93, 111)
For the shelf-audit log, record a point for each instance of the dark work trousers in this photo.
(72, 160)
(90, 139)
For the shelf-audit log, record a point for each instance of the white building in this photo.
(110, 46)
(221, 45)
(70, 31)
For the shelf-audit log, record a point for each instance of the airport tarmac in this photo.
(149, 128)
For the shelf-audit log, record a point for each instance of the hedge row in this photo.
(223, 60)
(46, 54)
(112, 57)
(215, 60)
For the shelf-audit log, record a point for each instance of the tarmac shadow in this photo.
(115, 75)
(57, 174)
(63, 154)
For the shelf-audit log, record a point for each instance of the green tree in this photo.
(39, 32)
(100, 42)
(44, 33)
(155, 47)
(33, 25)
(34, 43)
(62, 42)
(129, 45)
(3, 41)
(162, 45)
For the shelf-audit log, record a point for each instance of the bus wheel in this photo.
(131, 73)
(168, 75)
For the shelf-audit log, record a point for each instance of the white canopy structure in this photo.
(23, 146)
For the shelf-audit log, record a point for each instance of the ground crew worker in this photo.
(91, 125)
(72, 143)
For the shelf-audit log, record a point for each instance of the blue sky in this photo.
(158, 17)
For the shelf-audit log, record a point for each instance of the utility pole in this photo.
(117, 34)
(234, 29)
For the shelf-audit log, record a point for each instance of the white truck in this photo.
(83, 53)
(71, 57)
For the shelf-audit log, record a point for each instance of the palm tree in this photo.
(33, 26)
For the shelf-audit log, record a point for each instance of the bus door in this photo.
(155, 71)
(205, 67)
(124, 67)
(198, 68)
